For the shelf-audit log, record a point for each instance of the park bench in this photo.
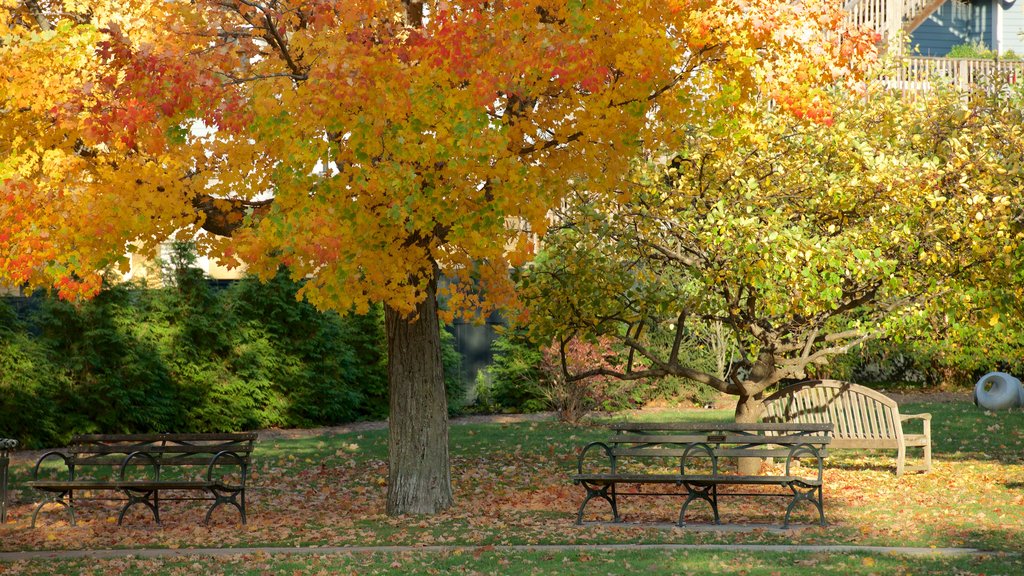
(148, 468)
(697, 457)
(6, 445)
(863, 418)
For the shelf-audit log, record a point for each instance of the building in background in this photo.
(936, 26)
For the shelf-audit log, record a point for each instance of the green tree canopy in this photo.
(804, 239)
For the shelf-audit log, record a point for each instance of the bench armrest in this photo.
(925, 416)
(698, 447)
(228, 457)
(925, 419)
(140, 454)
(805, 450)
(583, 455)
(52, 454)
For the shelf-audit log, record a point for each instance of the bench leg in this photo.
(3, 489)
(148, 498)
(607, 493)
(812, 494)
(223, 496)
(64, 499)
(707, 493)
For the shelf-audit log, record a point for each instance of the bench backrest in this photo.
(165, 449)
(700, 447)
(862, 417)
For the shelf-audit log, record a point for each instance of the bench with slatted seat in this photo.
(146, 469)
(693, 456)
(863, 418)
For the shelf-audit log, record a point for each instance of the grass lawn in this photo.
(511, 488)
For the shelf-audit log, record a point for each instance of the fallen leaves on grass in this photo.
(336, 496)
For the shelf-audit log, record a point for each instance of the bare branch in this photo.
(667, 370)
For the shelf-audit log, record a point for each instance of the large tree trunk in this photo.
(748, 411)
(419, 478)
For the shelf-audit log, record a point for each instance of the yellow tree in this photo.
(369, 145)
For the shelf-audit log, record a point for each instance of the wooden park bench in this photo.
(694, 456)
(863, 418)
(148, 468)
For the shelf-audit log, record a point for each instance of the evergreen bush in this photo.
(188, 358)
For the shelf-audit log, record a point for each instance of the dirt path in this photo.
(273, 433)
(724, 402)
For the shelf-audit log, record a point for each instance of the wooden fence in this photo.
(917, 74)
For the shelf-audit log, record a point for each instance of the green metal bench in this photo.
(6, 445)
(692, 456)
(144, 468)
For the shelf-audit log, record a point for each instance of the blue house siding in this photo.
(955, 22)
(1011, 12)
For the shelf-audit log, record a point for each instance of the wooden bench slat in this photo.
(628, 478)
(722, 452)
(770, 453)
(188, 437)
(712, 439)
(738, 479)
(141, 462)
(189, 449)
(719, 426)
(692, 479)
(60, 485)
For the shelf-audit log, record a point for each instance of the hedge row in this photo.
(190, 358)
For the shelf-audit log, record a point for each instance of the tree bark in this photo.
(748, 410)
(419, 478)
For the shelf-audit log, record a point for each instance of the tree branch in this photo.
(549, 144)
(37, 13)
(224, 216)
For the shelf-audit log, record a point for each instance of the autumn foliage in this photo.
(389, 134)
(371, 146)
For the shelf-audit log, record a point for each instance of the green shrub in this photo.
(30, 385)
(188, 357)
(330, 368)
(889, 364)
(451, 360)
(513, 380)
(520, 380)
(971, 50)
(120, 381)
(192, 357)
(981, 51)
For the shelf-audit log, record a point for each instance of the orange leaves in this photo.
(787, 51)
(388, 146)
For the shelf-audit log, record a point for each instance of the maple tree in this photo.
(803, 239)
(368, 145)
